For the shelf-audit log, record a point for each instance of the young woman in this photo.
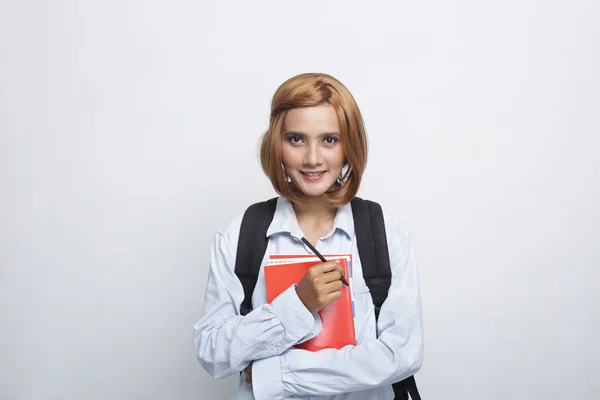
(314, 152)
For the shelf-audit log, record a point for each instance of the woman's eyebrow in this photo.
(302, 134)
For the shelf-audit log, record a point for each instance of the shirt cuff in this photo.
(299, 323)
(266, 379)
(318, 324)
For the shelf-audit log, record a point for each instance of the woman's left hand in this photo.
(248, 374)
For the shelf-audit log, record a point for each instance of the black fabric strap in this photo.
(411, 387)
(371, 240)
(252, 244)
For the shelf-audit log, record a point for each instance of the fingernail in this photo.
(337, 261)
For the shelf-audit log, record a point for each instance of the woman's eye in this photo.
(295, 139)
(331, 140)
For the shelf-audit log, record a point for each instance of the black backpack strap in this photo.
(252, 244)
(411, 387)
(371, 240)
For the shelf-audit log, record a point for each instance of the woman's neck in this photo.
(315, 217)
(314, 209)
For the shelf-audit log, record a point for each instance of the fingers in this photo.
(248, 374)
(318, 283)
(331, 276)
(333, 296)
(331, 266)
(334, 286)
(329, 292)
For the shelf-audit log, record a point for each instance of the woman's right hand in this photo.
(320, 285)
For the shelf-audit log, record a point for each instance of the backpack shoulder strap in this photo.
(252, 244)
(371, 240)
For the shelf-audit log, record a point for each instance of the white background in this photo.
(128, 136)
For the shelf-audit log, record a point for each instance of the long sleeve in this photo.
(225, 341)
(397, 353)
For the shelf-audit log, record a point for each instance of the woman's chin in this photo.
(312, 192)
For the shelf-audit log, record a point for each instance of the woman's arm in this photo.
(225, 341)
(396, 354)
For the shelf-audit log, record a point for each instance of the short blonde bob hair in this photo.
(307, 90)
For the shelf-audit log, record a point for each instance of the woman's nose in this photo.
(313, 155)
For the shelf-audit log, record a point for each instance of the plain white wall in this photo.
(128, 134)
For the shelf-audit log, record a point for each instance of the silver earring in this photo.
(344, 174)
(285, 175)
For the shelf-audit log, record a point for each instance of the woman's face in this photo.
(312, 153)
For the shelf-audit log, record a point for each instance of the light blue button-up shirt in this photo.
(226, 342)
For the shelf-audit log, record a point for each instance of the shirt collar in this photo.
(285, 220)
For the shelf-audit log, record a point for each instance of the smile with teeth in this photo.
(313, 176)
(313, 173)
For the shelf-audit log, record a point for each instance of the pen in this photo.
(310, 246)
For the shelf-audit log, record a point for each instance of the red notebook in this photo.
(338, 329)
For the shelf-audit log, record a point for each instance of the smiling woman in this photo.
(306, 110)
(314, 152)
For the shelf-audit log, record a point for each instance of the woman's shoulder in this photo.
(397, 235)
(231, 229)
(395, 226)
(399, 240)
